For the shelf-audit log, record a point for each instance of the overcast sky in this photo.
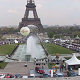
(51, 12)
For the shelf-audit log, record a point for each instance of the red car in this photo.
(9, 76)
(39, 70)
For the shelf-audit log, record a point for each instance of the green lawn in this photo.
(53, 49)
(3, 65)
(7, 49)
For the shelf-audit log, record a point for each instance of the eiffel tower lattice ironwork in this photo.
(31, 21)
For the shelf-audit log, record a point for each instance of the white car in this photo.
(2, 75)
(25, 77)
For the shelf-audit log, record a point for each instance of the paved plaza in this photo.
(18, 68)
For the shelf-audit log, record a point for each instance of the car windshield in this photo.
(41, 69)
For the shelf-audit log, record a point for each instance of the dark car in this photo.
(18, 76)
(45, 76)
(73, 73)
(31, 77)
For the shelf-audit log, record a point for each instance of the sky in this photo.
(51, 12)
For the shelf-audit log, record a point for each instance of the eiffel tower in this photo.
(31, 21)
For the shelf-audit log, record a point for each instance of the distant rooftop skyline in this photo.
(51, 12)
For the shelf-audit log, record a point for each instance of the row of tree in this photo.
(60, 32)
(57, 32)
(8, 30)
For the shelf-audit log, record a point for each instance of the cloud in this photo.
(39, 6)
(40, 1)
(12, 11)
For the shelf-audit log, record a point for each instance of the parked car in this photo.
(17, 76)
(73, 73)
(9, 76)
(31, 77)
(45, 75)
(2, 76)
(60, 75)
(24, 77)
(39, 70)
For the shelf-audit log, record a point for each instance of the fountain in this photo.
(34, 48)
(29, 51)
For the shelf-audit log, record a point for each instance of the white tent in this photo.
(73, 61)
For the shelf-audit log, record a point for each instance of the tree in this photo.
(76, 33)
(0, 36)
(57, 36)
(50, 34)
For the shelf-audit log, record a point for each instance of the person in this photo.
(25, 65)
(68, 73)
